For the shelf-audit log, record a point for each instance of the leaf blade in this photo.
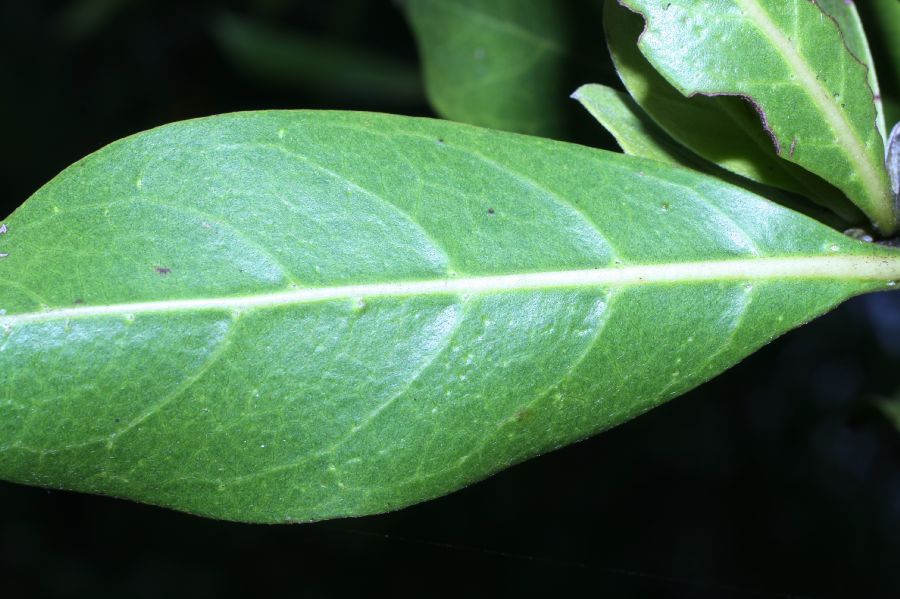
(635, 133)
(723, 130)
(848, 20)
(638, 135)
(294, 316)
(817, 84)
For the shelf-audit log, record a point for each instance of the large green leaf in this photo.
(495, 63)
(812, 93)
(723, 130)
(285, 316)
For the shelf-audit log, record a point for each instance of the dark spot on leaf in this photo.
(523, 414)
(440, 140)
(163, 270)
(78, 301)
(490, 210)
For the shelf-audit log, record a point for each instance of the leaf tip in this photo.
(579, 93)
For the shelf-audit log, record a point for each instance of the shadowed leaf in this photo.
(495, 63)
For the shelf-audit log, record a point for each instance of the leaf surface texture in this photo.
(811, 92)
(722, 129)
(285, 316)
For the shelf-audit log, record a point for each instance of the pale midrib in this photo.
(850, 268)
(847, 136)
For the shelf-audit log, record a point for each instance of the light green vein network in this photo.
(291, 316)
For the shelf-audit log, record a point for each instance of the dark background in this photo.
(777, 479)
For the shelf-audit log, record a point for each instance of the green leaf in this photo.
(812, 92)
(635, 132)
(638, 135)
(847, 18)
(284, 316)
(724, 130)
(494, 63)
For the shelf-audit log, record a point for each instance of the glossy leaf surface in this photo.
(811, 91)
(848, 21)
(724, 130)
(287, 316)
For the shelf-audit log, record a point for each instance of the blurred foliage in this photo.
(891, 409)
(775, 477)
(327, 67)
(508, 64)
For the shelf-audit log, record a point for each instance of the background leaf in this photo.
(295, 315)
(723, 130)
(891, 409)
(293, 60)
(892, 160)
(812, 92)
(505, 64)
(882, 19)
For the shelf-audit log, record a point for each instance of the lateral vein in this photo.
(850, 268)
